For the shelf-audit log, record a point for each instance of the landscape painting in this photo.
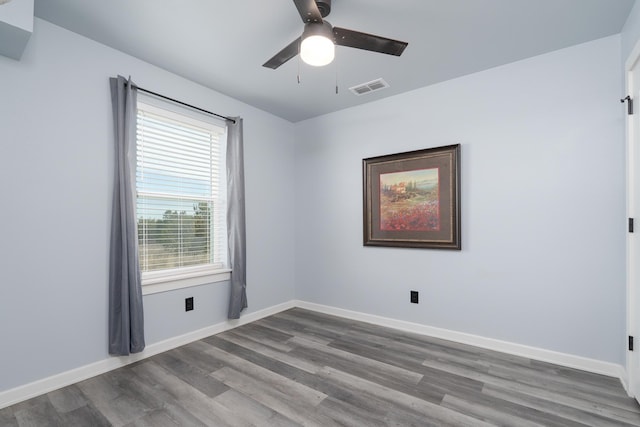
(412, 199)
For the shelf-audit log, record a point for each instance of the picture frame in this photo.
(412, 199)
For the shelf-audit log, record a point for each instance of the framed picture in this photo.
(413, 199)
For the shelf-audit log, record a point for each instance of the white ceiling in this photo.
(223, 44)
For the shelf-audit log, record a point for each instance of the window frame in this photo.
(156, 281)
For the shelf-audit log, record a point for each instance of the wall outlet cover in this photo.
(414, 297)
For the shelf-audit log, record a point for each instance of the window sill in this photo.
(153, 283)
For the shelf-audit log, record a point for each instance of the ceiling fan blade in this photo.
(370, 42)
(284, 55)
(308, 10)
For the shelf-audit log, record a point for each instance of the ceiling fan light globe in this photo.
(317, 50)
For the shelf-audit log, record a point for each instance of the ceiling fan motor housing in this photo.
(324, 6)
(316, 29)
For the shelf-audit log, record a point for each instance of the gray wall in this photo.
(56, 173)
(631, 32)
(543, 205)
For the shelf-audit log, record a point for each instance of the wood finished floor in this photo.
(305, 368)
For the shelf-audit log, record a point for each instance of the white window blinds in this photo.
(181, 204)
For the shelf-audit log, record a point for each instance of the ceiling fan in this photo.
(317, 43)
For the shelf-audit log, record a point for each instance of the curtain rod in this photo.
(182, 103)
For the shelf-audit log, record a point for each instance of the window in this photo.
(181, 197)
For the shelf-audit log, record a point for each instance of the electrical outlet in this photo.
(188, 304)
(414, 297)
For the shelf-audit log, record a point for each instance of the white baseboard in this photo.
(563, 359)
(37, 388)
(623, 379)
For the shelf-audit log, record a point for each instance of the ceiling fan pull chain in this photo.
(298, 63)
(336, 62)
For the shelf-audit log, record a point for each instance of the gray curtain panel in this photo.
(126, 319)
(236, 218)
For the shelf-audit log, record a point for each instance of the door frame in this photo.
(632, 380)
